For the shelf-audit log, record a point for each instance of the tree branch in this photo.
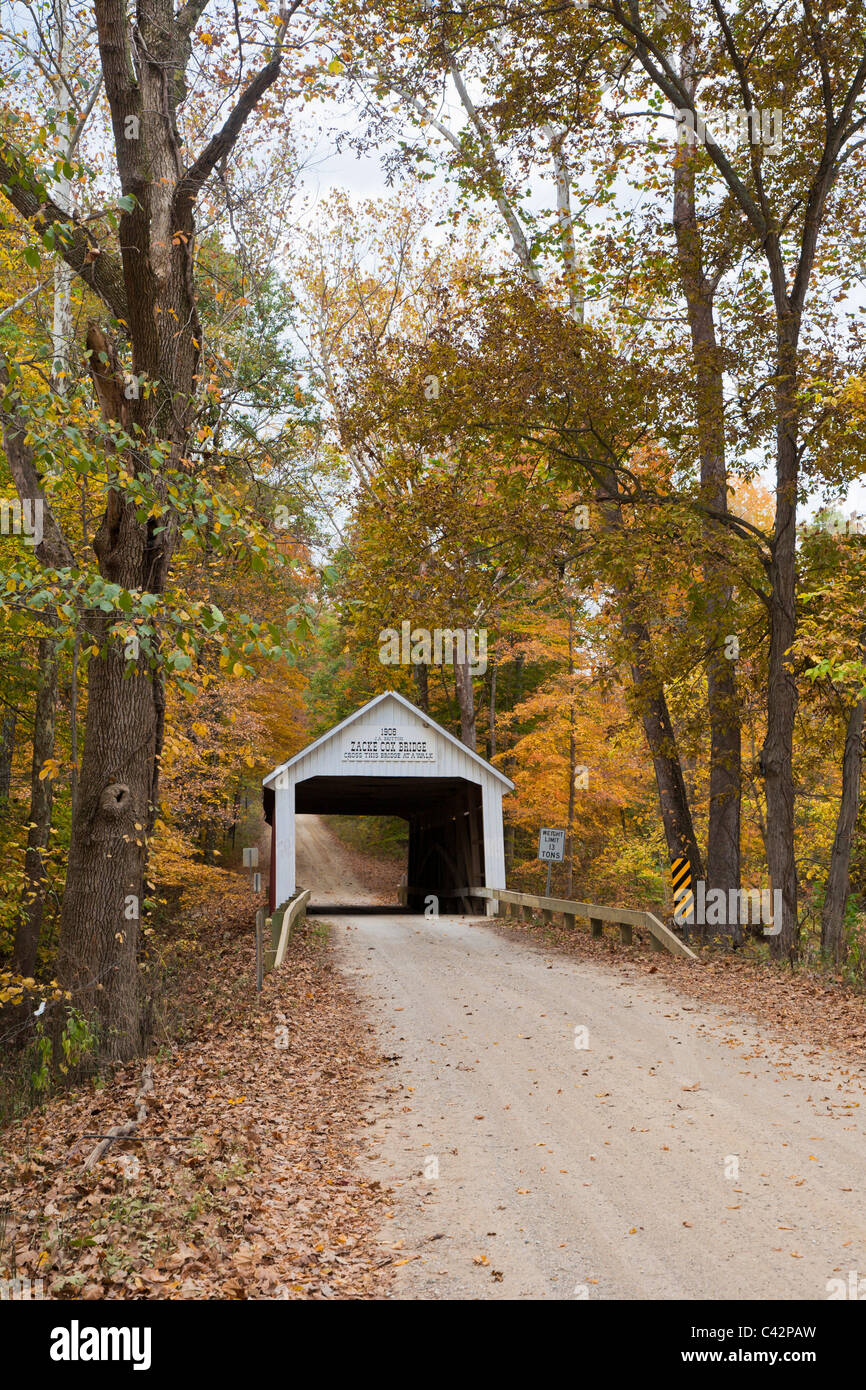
(221, 144)
(101, 271)
(53, 550)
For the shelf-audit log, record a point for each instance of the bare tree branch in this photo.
(221, 144)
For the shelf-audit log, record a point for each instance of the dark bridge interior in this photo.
(446, 831)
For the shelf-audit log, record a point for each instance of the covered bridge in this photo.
(391, 759)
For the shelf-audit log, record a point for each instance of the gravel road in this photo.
(337, 874)
(659, 1151)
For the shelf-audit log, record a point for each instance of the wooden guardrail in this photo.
(626, 918)
(280, 925)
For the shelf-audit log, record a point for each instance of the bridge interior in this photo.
(446, 828)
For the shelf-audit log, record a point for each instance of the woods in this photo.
(582, 378)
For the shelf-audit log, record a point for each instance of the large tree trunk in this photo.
(836, 896)
(650, 700)
(777, 753)
(29, 923)
(723, 834)
(73, 725)
(143, 70)
(116, 797)
(7, 749)
(656, 720)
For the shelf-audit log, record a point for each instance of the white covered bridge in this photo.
(391, 759)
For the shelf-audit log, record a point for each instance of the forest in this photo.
(328, 326)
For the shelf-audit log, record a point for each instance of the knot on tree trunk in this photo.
(115, 799)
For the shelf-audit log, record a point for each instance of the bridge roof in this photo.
(417, 715)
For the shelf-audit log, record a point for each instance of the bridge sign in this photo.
(395, 743)
(551, 846)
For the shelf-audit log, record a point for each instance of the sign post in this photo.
(551, 850)
(260, 949)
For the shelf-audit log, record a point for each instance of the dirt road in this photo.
(677, 1154)
(338, 874)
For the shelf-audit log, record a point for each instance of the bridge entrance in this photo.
(391, 759)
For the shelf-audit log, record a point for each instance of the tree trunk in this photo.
(572, 764)
(657, 726)
(509, 761)
(420, 673)
(73, 726)
(116, 799)
(61, 327)
(7, 748)
(143, 67)
(777, 753)
(723, 835)
(836, 896)
(652, 706)
(29, 923)
(466, 702)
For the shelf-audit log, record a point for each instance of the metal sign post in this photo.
(260, 949)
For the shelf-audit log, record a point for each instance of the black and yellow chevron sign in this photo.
(684, 898)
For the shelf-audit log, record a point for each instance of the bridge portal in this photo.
(391, 759)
